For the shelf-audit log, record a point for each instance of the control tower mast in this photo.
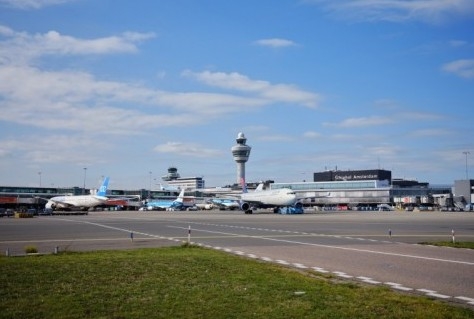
(241, 153)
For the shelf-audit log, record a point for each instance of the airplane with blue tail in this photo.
(79, 201)
(177, 204)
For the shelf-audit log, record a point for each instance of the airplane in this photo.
(224, 203)
(79, 201)
(176, 204)
(273, 198)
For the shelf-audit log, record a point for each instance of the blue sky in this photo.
(125, 88)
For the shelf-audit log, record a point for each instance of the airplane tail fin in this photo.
(259, 187)
(103, 188)
(180, 197)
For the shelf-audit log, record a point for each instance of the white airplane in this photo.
(176, 204)
(80, 201)
(273, 198)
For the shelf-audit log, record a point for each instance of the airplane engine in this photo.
(245, 206)
(298, 205)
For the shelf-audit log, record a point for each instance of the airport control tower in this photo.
(241, 153)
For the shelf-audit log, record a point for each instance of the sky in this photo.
(127, 89)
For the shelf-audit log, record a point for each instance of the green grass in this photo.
(466, 244)
(189, 282)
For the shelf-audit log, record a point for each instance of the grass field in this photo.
(190, 282)
(466, 244)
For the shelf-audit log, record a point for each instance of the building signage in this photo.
(349, 176)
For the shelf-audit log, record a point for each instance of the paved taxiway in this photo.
(352, 245)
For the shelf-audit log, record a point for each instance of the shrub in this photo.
(31, 249)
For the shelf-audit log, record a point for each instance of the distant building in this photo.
(175, 180)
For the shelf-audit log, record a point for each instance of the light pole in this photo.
(39, 174)
(466, 153)
(84, 186)
(149, 189)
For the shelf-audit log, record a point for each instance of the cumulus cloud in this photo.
(275, 138)
(38, 149)
(32, 4)
(311, 134)
(285, 93)
(362, 122)
(275, 43)
(188, 149)
(78, 101)
(462, 68)
(21, 47)
(431, 11)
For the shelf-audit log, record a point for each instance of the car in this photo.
(46, 211)
(9, 212)
(32, 211)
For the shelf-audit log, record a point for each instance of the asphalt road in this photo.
(379, 248)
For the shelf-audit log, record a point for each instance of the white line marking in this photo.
(466, 299)
(368, 280)
(321, 270)
(394, 285)
(342, 274)
(301, 266)
(334, 247)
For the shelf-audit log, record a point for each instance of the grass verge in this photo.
(190, 282)
(466, 244)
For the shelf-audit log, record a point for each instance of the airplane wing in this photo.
(59, 202)
(226, 203)
(66, 204)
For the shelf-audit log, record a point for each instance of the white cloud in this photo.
(312, 134)
(188, 149)
(275, 138)
(275, 43)
(431, 133)
(284, 93)
(462, 68)
(458, 43)
(431, 11)
(55, 149)
(362, 122)
(21, 47)
(76, 101)
(32, 4)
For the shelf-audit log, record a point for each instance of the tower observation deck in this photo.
(241, 153)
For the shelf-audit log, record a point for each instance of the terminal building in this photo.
(366, 189)
(333, 189)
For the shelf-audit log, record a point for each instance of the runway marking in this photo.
(466, 299)
(335, 247)
(368, 280)
(393, 285)
(321, 270)
(433, 293)
(342, 274)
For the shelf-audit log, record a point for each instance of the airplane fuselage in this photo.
(75, 201)
(275, 198)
